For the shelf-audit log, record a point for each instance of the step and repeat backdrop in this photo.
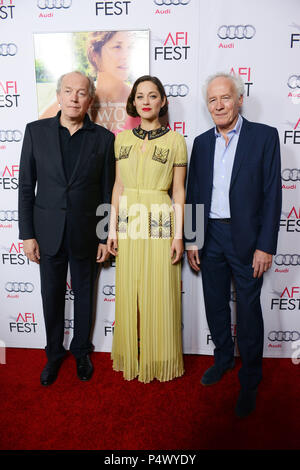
(181, 42)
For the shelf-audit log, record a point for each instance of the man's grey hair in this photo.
(236, 80)
(92, 89)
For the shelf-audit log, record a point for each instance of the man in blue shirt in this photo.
(235, 173)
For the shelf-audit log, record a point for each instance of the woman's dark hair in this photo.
(131, 109)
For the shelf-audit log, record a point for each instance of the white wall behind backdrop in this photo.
(189, 39)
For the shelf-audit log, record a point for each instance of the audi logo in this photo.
(236, 32)
(8, 49)
(9, 216)
(290, 174)
(287, 260)
(108, 290)
(50, 4)
(10, 136)
(171, 2)
(176, 90)
(19, 287)
(284, 335)
(294, 81)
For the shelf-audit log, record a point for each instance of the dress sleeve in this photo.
(180, 158)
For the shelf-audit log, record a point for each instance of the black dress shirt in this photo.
(71, 145)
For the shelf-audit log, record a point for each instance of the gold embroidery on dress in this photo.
(180, 164)
(160, 154)
(160, 225)
(124, 151)
(152, 134)
(122, 221)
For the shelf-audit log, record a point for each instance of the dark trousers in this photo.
(219, 264)
(53, 273)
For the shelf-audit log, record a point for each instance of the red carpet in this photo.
(108, 413)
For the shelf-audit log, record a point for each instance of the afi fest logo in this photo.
(25, 323)
(15, 255)
(291, 223)
(292, 136)
(6, 9)
(288, 299)
(9, 177)
(9, 96)
(109, 8)
(175, 47)
(245, 74)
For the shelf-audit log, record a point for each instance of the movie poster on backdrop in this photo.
(114, 59)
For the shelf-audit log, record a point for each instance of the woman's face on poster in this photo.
(114, 56)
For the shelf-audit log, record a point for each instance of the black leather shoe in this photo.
(84, 368)
(246, 403)
(214, 374)
(49, 373)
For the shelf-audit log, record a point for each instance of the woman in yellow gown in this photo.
(146, 233)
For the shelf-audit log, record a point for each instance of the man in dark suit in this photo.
(235, 172)
(66, 172)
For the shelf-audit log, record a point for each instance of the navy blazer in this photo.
(255, 187)
(47, 200)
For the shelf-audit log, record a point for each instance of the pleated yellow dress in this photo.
(148, 286)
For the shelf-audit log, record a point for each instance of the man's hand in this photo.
(262, 261)
(31, 250)
(102, 253)
(193, 258)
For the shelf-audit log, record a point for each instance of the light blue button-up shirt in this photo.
(223, 163)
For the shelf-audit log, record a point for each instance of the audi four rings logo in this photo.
(19, 287)
(176, 90)
(294, 81)
(236, 32)
(8, 49)
(284, 335)
(8, 216)
(108, 290)
(290, 174)
(287, 260)
(171, 2)
(10, 136)
(57, 4)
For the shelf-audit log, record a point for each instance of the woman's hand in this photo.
(176, 250)
(112, 245)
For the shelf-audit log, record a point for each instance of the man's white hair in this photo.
(236, 81)
(92, 89)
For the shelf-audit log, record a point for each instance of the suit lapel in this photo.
(241, 150)
(211, 153)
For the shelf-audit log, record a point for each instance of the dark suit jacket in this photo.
(255, 188)
(48, 202)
